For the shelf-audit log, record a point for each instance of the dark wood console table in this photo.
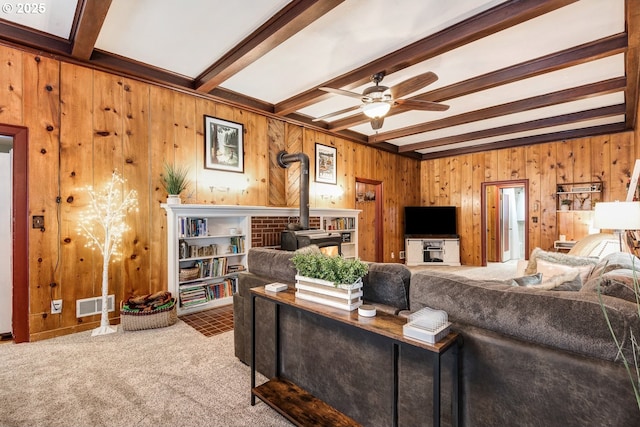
(301, 408)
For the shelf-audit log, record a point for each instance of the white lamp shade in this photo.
(617, 216)
(376, 109)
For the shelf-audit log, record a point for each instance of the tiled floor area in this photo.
(211, 322)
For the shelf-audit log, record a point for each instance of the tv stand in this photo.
(432, 251)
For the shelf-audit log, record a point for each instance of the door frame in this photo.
(20, 273)
(483, 212)
(379, 220)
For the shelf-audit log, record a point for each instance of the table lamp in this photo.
(618, 216)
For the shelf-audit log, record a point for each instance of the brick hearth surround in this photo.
(265, 230)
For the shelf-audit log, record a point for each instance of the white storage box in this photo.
(427, 325)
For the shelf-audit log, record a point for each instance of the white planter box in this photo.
(347, 297)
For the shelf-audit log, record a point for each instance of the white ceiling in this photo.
(184, 38)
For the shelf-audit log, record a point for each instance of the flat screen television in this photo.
(430, 221)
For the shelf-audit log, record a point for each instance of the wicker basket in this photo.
(189, 273)
(139, 320)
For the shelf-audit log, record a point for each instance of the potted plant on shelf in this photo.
(174, 182)
(565, 204)
(329, 280)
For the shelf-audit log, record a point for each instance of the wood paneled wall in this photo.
(457, 181)
(85, 123)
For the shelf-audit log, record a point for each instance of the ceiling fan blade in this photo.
(413, 84)
(341, 92)
(422, 105)
(337, 113)
(377, 123)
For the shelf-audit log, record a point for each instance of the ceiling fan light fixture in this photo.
(376, 109)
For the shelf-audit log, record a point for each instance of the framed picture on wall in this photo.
(223, 145)
(326, 161)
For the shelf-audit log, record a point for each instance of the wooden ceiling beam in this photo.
(632, 94)
(530, 140)
(555, 61)
(286, 23)
(89, 24)
(567, 95)
(484, 24)
(581, 116)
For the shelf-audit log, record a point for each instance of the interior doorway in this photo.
(6, 255)
(505, 226)
(370, 236)
(19, 219)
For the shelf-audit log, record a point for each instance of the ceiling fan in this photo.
(377, 100)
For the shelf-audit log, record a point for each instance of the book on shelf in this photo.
(193, 227)
(343, 223)
(203, 292)
(237, 244)
(234, 268)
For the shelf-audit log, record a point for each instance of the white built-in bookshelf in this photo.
(207, 246)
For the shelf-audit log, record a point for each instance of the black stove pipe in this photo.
(284, 161)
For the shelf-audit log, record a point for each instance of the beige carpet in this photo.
(493, 270)
(172, 376)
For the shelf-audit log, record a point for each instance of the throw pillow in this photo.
(550, 269)
(569, 281)
(616, 283)
(534, 279)
(556, 258)
(616, 261)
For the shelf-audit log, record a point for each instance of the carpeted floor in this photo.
(171, 376)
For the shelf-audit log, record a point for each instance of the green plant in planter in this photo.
(330, 268)
(565, 202)
(630, 362)
(174, 179)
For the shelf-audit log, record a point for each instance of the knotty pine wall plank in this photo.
(276, 137)
(137, 252)
(532, 173)
(41, 92)
(78, 265)
(11, 96)
(161, 147)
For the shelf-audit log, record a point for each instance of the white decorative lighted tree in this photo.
(103, 224)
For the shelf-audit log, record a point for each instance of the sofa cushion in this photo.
(272, 264)
(557, 258)
(571, 321)
(388, 284)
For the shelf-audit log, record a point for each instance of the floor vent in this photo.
(91, 306)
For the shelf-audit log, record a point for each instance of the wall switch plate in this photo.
(56, 306)
(38, 221)
(401, 254)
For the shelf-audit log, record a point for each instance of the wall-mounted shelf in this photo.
(580, 196)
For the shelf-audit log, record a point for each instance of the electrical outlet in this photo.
(56, 306)
(401, 253)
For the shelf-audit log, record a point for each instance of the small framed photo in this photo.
(223, 145)
(326, 161)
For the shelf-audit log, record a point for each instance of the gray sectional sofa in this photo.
(532, 356)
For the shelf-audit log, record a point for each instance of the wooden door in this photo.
(369, 201)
